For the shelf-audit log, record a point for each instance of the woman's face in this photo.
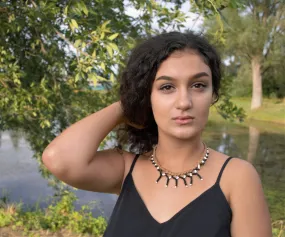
(182, 88)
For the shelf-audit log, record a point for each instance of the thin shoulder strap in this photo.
(222, 169)
(133, 163)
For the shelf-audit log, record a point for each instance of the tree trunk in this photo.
(256, 100)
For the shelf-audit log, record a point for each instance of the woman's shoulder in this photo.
(240, 170)
(236, 167)
(243, 175)
(238, 175)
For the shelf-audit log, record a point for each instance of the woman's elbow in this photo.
(52, 162)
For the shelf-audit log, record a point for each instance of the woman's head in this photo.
(169, 75)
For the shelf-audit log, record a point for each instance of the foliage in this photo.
(254, 31)
(276, 203)
(60, 215)
(225, 107)
(52, 51)
(278, 229)
(210, 8)
(277, 210)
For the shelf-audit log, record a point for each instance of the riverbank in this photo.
(272, 110)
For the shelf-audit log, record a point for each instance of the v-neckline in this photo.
(180, 211)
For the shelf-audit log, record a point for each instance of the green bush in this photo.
(58, 216)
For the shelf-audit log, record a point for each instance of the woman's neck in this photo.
(179, 155)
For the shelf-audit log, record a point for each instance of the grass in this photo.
(278, 229)
(271, 114)
(272, 110)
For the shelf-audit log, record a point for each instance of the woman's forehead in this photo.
(180, 63)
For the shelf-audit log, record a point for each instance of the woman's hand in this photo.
(126, 121)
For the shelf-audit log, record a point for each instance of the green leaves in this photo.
(210, 7)
(109, 50)
(228, 110)
(113, 36)
(73, 25)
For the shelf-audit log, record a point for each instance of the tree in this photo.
(51, 50)
(253, 33)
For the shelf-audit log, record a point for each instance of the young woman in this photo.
(170, 183)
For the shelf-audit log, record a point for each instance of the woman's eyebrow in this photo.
(198, 75)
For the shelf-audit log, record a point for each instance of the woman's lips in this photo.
(183, 119)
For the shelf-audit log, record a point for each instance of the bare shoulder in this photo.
(238, 175)
(237, 170)
(242, 171)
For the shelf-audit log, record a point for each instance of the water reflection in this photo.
(23, 176)
(254, 134)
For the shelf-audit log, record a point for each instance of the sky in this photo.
(193, 22)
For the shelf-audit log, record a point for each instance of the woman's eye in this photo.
(199, 86)
(166, 87)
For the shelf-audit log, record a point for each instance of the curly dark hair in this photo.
(137, 79)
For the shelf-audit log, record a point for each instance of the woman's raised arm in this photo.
(73, 157)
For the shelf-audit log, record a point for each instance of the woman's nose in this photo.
(184, 100)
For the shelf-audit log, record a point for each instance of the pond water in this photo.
(262, 144)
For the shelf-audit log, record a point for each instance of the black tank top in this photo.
(209, 215)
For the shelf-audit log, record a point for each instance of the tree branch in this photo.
(4, 84)
(264, 70)
(69, 42)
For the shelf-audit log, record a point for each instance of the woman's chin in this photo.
(185, 133)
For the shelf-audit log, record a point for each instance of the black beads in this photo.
(160, 176)
(198, 176)
(168, 178)
(176, 181)
(184, 180)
